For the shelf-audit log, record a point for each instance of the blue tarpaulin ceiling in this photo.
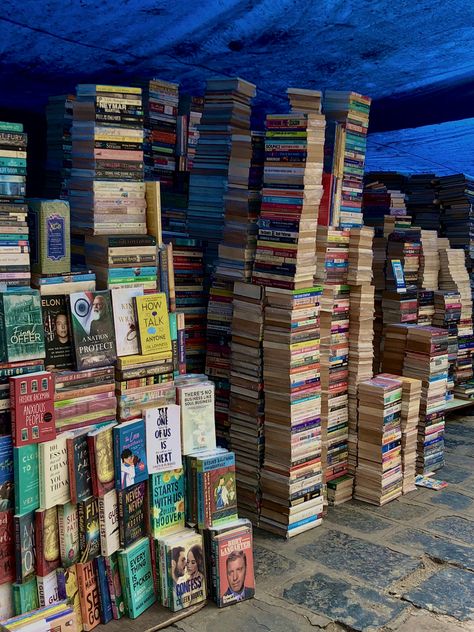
(415, 59)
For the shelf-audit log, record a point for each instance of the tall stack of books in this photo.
(160, 104)
(106, 191)
(291, 477)
(429, 260)
(14, 239)
(426, 307)
(196, 106)
(225, 121)
(246, 407)
(426, 359)
(285, 255)
(455, 194)
(422, 201)
(361, 326)
(405, 246)
(334, 380)
(379, 469)
(350, 111)
(59, 145)
(395, 341)
(332, 254)
(447, 315)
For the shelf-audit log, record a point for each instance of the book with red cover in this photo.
(7, 547)
(32, 408)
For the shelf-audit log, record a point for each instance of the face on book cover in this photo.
(62, 331)
(105, 460)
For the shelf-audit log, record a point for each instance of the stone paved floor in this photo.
(407, 566)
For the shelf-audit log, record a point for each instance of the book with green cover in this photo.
(25, 548)
(137, 577)
(166, 491)
(21, 326)
(25, 467)
(25, 596)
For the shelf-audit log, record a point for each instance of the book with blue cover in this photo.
(130, 454)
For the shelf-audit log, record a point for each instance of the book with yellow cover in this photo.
(153, 323)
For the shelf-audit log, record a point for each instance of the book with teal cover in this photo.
(25, 547)
(167, 513)
(21, 326)
(137, 577)
(25, 596)
(26, 472)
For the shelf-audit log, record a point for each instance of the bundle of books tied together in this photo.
(96, 512)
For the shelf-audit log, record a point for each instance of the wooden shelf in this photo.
(456, 404)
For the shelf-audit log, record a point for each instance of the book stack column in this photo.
(246, 407)
(447, 315)
(421, 200)
(426, 359)
(361, 326)
(383, 196)
(59, 145)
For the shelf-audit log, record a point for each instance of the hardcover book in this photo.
(32, 408)
(80, 476)
(7, 547)
(197, 416)
(25, 596)
(126, 333)
(93, 329)
(47, 541)
(68, 587)
(163, 438)
(167, 513)
(109, 523)
(104, 594)
(89, 533)
(101, 455)
(49, 236)
(130, 453)
(153, 323)
(53, 472)
(137, 578)
(25, 466)
(115, 586)
(48, 591)
(21, 326)
(68, 525)
(57, 333)
(89, 595)
(132, 514)
(25, 548)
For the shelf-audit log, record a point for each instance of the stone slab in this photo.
(452, 499)
(421, 621)
(436, 547)
(454, 527)
(349, 515)
(267, 563)
(397, 509)
(453, 474)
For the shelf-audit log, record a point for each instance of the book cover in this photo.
(109, 523)
(126, 333)
(57, 333)
(115, 586)
(132, 514)
(153, 323)
(25, 547)
(216, 489)
(104, 594)
(137, 577)
(197, 416)
(89, 595)
(163, 438)
(48, 591)
(32, 408)
(93, 329)
(21, 326)
(6, 473)
(130, 453)
(101, 456)
(7, 370)
(186, 572)
(234, 565)
(47, 541)
(26, 472)
(89, 532)
(68, 525)
(68, 587)
(80, 476)
(50, 240)
(53, 472)
(7, 601)
(7, 547)
(25, 596)
(167, 513)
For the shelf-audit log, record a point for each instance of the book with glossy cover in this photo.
(25, 596)
(7, 547)
(68, 524)
(153, 323)
(32, 408)
(115, 586)
(101, 455)
(130, 454)
(21, 326)
(69, 589)
(49, 236)
(57, 333)
(216, 489)
(89, 595)
(109, 523)
(48, 590)
(132, 514)
(93, 329)
(7, 608)
(189, 587)
(163, 438)
(234, 565)
(89, 531)
(104, 593)
(80, 475)
(47, 541)
(197, 416)
(25, 466)
(126, 333)
(137, 577)
(25, 547)
(53, 472)
(167, 513)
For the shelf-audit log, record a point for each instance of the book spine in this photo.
(92, 463)
(13, 413)
(181, 326)
(164, 279)
(123, 570)
(102, 527)
(164, 580)
(171, 283)
(81, 520)
(174, 342)
(42, 495)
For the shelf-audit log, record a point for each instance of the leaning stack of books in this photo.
(59, 145)
(106, 190)
(291, 195)
(332, 254)
(291, 478)
(246, 408)
(14, 240)
(426, 359)
(379, 468)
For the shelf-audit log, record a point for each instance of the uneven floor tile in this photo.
(348, 515)
(436, 547)
(454, 527)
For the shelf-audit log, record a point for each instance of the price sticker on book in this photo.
(398, 275)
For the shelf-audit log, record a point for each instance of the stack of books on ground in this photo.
(379, 474)
(14, 240)
(360, 257)
(160, 104)
(447, 304)
(350, 111)
(59, 145)
(106, 190)
(246, 407)
(225, 120)
(422, 202)
(429, 260)
(334, 321)
(188, 264)
(405, 247)
(291, 477)
(123, 261)
(285, 256)
(332, 254)
(58, 617)
(426, 359)
(379, 261)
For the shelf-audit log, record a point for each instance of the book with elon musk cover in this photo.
(57, 332)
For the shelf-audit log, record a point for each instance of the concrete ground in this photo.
(405, 567)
